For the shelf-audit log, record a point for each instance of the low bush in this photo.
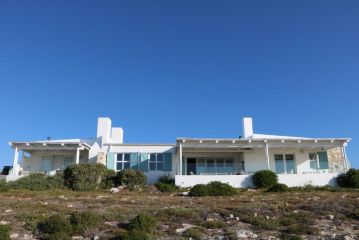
(350, 179)
(193, 233)
(199, 190)
(212, 189)
(221, 189)
(38, 182)
(300, 229)
(81, 222)
(178, 214)
(166, 187)
(85, 176)
(167, 179)
(264, 179)
(214, 224)
(310, 188)
(3, 186)
(132, 179)
(142, 222)
(4, 232)
(262, 222)
(55, 227)
(136, 235)
(279, 187)
(109, 180)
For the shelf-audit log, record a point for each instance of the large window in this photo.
(156, 162)
(313, 161)
(318, 160)
(284, 163)
(218, 166)
(122, 161)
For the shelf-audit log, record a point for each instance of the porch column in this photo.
(180, 157)
(267, 154)
(346, 165)
(77, 156)
(15, 162)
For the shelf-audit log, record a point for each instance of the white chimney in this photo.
(117, 135)
(104, 129)
(247, 127)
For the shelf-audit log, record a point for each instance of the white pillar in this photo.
(180, 157)
(267, 154)
(77, 156)
(15, 162)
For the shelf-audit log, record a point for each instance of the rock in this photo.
(114, 190)
(333, 236)
(185, 227)
(69, 206)
(231, 216)
(164, 227)
(218, 238)
(267, 217)
(4, 222)
(112, 224)
(14, 235)
(242, 233)
(295, 211)
(184, 193)
(8, 211)
(331, 217)
(96, 237)
(63, 197)
(347, 237)
(237, 218)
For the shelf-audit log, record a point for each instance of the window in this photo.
(214, 166)
(284, 163)
(156, 162)
(313, 161)
(122, 161)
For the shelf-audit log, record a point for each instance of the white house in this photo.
(297, 160)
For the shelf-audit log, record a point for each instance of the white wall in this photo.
(245, 181)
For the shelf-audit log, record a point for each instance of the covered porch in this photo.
(46, 157)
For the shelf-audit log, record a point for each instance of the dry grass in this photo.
(266, 214)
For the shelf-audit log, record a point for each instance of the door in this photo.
(46, 164)
(191, 166)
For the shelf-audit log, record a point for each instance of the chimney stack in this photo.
(247, 127)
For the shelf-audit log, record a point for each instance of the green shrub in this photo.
(167, 179)
(289, 237)
(194, 233)
(55, 227)
(142, 222)
(166, 187)
(199, 190)
(350, 179)
(300, 229)
(221, 189)
(132, 179)
(212, 189)
(109, 180)
(264, 179)
(279, 187)
(214, 224)
(4, 232)
(85, 176)
(3, 186)
(262, 222)
(178, 214)
(84, 221)
(38, 182)
(136, 235)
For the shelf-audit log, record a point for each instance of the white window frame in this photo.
(285, 162)
(317, 160)
(156, 162)
(122, 161)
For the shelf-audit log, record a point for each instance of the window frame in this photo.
(284, 159)
(123, 161)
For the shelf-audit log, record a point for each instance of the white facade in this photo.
(296, 160)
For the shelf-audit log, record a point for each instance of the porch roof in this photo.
(241, 144)
(66, 144)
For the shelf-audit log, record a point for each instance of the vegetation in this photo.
(349, 179)
(166, 184)
(212, 189)
(55, 227)
(279, 187)
(193, 233)
(132, 179)
(83, 221)
(38, 182)
(143, 222)
(85, 176)
(3, 186)
(4, 232)
(264, 179)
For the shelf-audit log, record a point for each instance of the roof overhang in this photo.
(49, 145)
(240, 145)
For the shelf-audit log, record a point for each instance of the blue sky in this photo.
(167, 69)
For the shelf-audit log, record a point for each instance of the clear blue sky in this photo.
(167, 69)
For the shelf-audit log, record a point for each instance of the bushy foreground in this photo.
(38, 182)
(166, 184)
(349, 179)
(264, 179)
(212, 189)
